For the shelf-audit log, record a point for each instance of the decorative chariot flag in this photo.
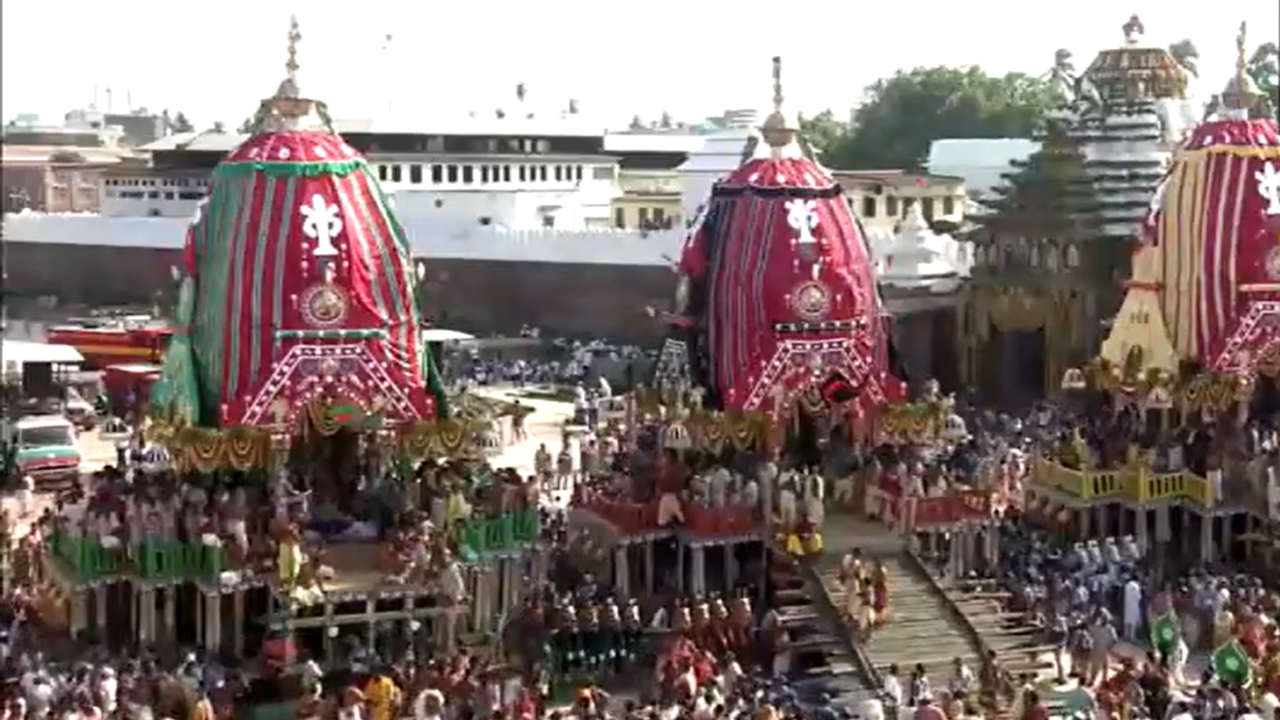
(1232, 664)
(1164, 633)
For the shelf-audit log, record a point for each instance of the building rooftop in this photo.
(893, 178)
(23, 352)
(205, 141)
(71, 155)
(638, 142)
(477, 124)
(630, 142)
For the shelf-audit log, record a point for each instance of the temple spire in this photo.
(778, 130)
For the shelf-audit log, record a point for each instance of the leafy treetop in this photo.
(902, 115)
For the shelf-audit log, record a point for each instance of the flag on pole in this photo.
(1164, 633)
(1232, 664)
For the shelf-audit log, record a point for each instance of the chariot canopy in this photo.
(297, 293)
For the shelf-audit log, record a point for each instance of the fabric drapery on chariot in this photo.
(753, 259)
(1211, 235)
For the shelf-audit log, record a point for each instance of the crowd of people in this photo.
(409, 516)
(559, 363)
(585, 651)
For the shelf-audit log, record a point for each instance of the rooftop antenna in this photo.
(109, 96)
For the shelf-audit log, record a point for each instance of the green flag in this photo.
(1164, 633)
(1232, 664)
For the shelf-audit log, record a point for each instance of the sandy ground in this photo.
(545, 425)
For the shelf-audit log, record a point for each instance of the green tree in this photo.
(181, 124)
(901, 115)
(1264, 68)
(826, 134)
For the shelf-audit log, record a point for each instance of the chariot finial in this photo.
(288, 109)
(778, 131)
(1242, 61)
(777, 84)
(1242, 97)
(295, 35)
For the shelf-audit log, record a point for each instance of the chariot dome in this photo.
(297, 288)
(777, 293)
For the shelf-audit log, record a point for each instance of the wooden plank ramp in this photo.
(932, 623)
(824, 664)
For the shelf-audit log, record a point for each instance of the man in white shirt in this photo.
(893, 686)
(428, 705)
(108, 688)
(962, 679)
(40, 695)
(1215, 482)
(687, 683)
(1132, 608)
(310, 672)
(702, 707)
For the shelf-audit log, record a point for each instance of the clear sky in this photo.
(692, 57)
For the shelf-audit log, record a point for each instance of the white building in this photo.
(494, 189)
(529, 178)
(718, 154)
(916, 258)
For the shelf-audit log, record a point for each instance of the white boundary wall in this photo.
(599, 247)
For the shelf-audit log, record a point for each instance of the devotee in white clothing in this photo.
(1132, 608)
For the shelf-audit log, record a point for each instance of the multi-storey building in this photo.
(882, 199)
(544, 178)
(60, 168)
